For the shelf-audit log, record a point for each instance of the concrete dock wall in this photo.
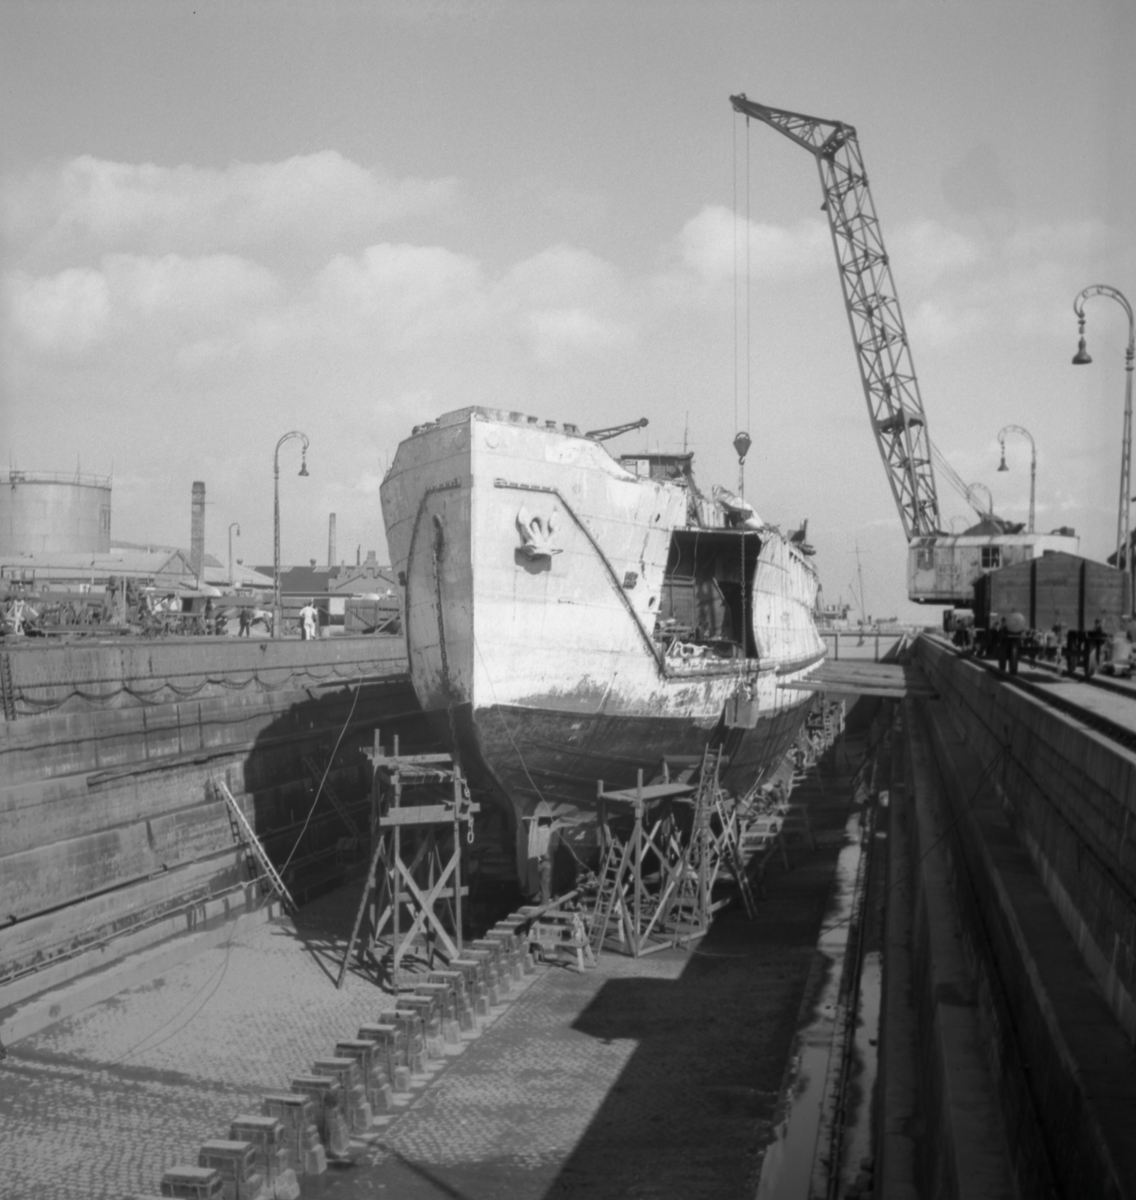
(1024, 1079)
(127, 672)
(1071, 796)
(108, 812)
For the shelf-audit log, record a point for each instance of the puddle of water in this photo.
(857, 1139)
(788, 1166)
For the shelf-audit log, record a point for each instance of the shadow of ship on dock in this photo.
(115, 834)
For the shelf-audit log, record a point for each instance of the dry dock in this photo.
(935, 1000)
(652, 1077)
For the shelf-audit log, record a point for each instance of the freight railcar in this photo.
(1059, 605)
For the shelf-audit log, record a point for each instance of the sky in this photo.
(223, 222)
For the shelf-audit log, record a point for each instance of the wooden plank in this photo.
(426, 814)
(392, 763)
(648, 793)
(854, 689)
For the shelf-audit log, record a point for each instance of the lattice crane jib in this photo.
(883, 354)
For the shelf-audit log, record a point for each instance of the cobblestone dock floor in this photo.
(658, 1077)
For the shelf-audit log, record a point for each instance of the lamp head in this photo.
(1002, 465)
(304, 465)
(1082, 357)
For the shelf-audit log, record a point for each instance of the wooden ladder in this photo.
(610, 891)
(7, 692)
(727, 841)
(252, 843)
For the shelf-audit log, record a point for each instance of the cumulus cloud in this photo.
(255, 299)
(73, 310)
(323, 198)
(928, 250)
(65, 313)
(713, 244)
(406, 293)
(1023, 277)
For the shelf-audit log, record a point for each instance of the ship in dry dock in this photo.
(572, 617)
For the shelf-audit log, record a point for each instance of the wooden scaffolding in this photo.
(411, 907)
(664, 845)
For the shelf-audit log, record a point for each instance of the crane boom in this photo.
(886, 370)
(603, 435)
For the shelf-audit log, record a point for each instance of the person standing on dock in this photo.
(541, 845)
(308, 619)
(245, 618)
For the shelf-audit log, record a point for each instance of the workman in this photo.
(308, 618)
(541, 845)
(245, 618)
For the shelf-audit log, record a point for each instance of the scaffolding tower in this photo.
(411, 908)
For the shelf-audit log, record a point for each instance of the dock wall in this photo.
(1008, 1061)
(111, 821)
(1070, 795)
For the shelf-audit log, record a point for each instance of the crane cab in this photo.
(943, 568)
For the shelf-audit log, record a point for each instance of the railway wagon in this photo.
(1057, 604)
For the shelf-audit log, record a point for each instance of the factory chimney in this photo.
(331, 540)
(197, 532)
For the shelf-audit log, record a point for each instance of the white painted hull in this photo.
(533, 568)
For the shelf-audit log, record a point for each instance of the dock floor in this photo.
(657, 1077)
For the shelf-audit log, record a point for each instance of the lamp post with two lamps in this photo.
(1033, 461)
(1081, 358)
(276, 613)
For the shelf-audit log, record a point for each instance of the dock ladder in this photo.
(7, 692)
(244, 833)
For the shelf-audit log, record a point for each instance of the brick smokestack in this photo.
(331, 549)
(197, 532)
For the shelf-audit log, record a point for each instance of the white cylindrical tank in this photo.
(46, 513)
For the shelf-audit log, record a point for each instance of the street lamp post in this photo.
(232, 576)
(1081, 358)
(276, 613)
(1033, 461)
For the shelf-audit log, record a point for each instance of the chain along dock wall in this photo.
(108, 815)
(1070, 795)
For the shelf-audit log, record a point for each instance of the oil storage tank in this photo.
(43, 512)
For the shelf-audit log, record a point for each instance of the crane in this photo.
(603, 435)
(941, 567)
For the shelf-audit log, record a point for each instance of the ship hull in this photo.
(534, 571)
(536, 753)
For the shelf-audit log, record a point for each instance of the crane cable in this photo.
(735, 274)
(749, 288)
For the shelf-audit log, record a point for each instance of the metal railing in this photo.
(79, 477)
